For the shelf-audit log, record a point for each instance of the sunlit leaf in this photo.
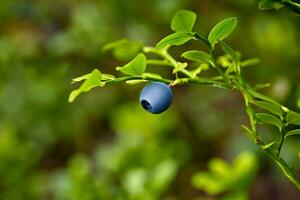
(222, 30)
(197, 56)
(136, 67)
(176, 39)
(93, 80)
(183, 20)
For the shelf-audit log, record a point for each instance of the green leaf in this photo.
(104, 77)
(176, 39)
(183, 20)
(293, 132)
(107, 77)
(219, 168)
(162, 175)
(197, 56)
(233, 55)
(124, 50)
(136, 67)
(250, 62)
(269, 119)
(93, 80)
(293, 118)
(273, 108)
(81, 78)
(222, 30)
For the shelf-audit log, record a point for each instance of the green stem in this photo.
(128, 78)
(217, 67)
(288, 172)
(158, 62)
(295, 7)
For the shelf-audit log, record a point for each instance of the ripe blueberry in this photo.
(156, 97)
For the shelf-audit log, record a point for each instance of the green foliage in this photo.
(92, 80)
(234, 180)
(136, 67)
(222, 30)
(232, 78)
(197, 56)
(176, 39)
(183, 21)
(123, 49)
(50, 149)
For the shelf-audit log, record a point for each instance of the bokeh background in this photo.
(104, 146)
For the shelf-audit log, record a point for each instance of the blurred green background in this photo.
(104, 146)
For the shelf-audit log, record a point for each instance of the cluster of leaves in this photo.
(229, 69)
(233, 180)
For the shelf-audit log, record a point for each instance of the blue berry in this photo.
(156, 97)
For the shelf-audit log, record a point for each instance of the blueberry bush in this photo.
(230, 75)
(105, 145)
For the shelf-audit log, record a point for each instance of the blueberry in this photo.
(156, 97)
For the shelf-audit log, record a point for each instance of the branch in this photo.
(295, 7)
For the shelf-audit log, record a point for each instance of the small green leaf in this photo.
(269, 119)
(222, 30)
(250, 62)
(273, 108)
(293, 118)
(93, 80)
(136, 67)
(114, 44)
(104, 77)
(293, 132)
(219, 168)
(183, 20)
(107, 77)
(176, 39)
(197, 56)
(81, 78)
(124, 49)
